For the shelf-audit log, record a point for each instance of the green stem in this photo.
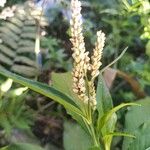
(95, 141)
(90, 125)
(91, 130)
(88, 93)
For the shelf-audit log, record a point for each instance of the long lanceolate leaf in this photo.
(109, 114)
(108, 138)
(45, 90)
(104, 100)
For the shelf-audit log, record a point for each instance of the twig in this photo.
(119, 57)
(38, 37)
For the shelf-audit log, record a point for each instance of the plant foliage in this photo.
(137, 122)
(14, 113)
(17, 36)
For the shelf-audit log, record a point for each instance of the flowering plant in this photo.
(90, 106)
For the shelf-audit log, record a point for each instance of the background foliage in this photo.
(126, 23)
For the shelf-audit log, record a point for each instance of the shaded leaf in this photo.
(63, 82)
(75, 138)
(104, 104)
(110, 113)
(45, 90)
(139, 127)
(22, 146)
(142, 140)
(108, 138)
(103, 97)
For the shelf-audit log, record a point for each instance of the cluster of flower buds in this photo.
(82, 62)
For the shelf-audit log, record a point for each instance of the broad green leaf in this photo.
(75, 138)
(94, 148)
(143, 113)
(104, 104)
(22, 146)
(142, 140)
(52, 147)
(139, 127)
(45, 90)
(63, 82)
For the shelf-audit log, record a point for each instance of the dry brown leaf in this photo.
(109, 76)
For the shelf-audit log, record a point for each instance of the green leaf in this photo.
(148, 48)
(143, 113)
(75, 138)
(142, 140)
(63, 82)
(45, 90)
(103, 97)
(5, 123)
(119, 134)
(108, 138)
(104, 105)
(139, 127)
(94, 148)
(106, 123)
(109, 114)
(22, 146)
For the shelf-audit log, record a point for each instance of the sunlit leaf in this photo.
(6, 85)
(19, 91)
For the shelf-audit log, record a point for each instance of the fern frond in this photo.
(17, 36)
